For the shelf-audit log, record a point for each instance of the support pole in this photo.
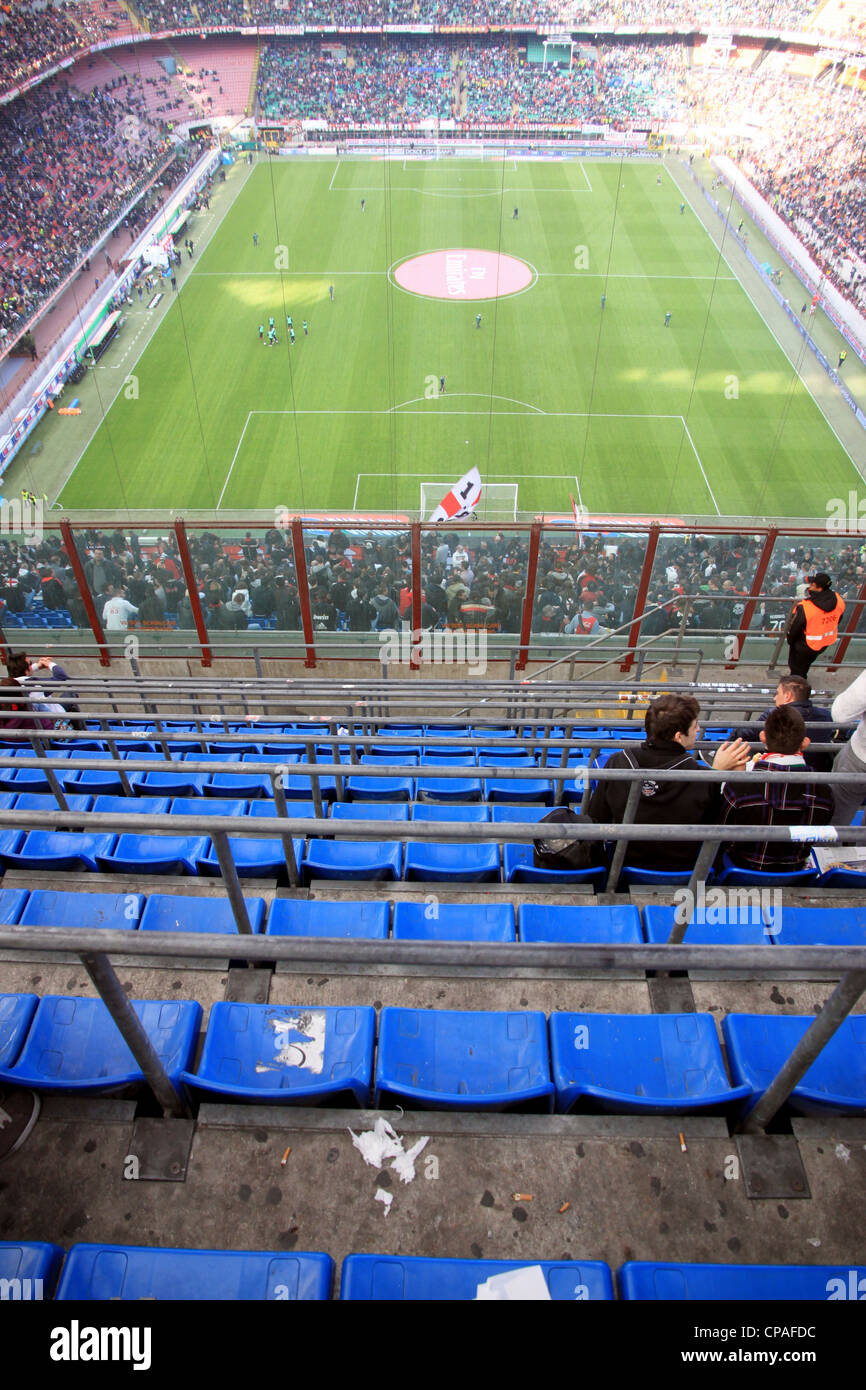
(113, 996)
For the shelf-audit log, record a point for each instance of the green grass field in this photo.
(704, 417)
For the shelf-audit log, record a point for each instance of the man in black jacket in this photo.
(671, 724)
(796, 693)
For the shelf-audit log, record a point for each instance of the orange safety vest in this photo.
(822, 628)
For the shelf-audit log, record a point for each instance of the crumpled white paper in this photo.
(386, 1198)
(376, 1144)
(515, 1285)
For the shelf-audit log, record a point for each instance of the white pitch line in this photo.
(237, 451)
(585, 175)
(719, 247)
(333, 176)
(579, 498)
(701, 466)
(542, 275)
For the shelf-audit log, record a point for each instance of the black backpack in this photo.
(559, 853)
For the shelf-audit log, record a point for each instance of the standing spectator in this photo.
(814, 623)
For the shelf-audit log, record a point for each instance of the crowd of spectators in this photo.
(69, 164)
(773, 14)
(400, 79)
(361, 581)
(809, 160)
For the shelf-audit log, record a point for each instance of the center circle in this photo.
(463, 275)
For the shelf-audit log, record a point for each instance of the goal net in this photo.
(498, 500)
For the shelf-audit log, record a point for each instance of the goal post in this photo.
(498, 500)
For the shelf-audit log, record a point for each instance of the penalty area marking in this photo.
(527, 411)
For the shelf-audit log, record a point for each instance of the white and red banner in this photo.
(461, 500)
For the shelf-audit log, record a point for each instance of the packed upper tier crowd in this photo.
(35, 37)
(774, 14)
(361, 582)
(69, 164)
(393, 81)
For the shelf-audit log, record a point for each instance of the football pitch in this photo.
(554, 390)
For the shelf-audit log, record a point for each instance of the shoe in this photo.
(19, 1111)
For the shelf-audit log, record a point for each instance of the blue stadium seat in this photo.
(10, 841)
(16, 1016)
(738, 927)
(261, 781)
(441, 1059)
(12, 902)
(132, 1273)
(822, 926)
(115, 911)
(579, 924)
(8, 800)
(352, 859)
(283, 1053)
(361, 788)
(452, 863)
(639, 1063)
(431, 811)
(518, 868)
(180, 912)
(208, 810)
(96, 782)
(369, 810)
(59, 849)
(34, 779)
(30, 1261)
(835, 1084)
(633, 876)
(645, 1279)
(389, 1278)
(752, 878)
(229, 784)
(231, 749)
(35, 801)
(155, 854)
(260, 857)
(74, 1045)
(297, 784)
(430, 787)
(531, 789)
(159, 783)
(131, 805)
(520, 815)
(454, 922)
(296, 917)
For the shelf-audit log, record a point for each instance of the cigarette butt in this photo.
(285, 1156)
(683, 1144)
(564, 1207)
(521, 1196)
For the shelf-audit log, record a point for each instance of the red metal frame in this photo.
(529, 596)
(642, 591)
(4, 648)
(848, 630)
(192, 590)
(84, 590)
(757, 586)
(415, 543)
(303, 589)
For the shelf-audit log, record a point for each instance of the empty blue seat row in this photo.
(423, 921)
(432, 1059)
(129, 1272)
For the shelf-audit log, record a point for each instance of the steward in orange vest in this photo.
(814, 623)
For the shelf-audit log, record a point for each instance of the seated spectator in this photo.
(794, 692)
(16, 708)
(671, 724)
(772, 801)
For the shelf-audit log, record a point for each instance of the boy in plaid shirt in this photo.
(772, 801)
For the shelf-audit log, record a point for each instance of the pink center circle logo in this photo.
(463, 275)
